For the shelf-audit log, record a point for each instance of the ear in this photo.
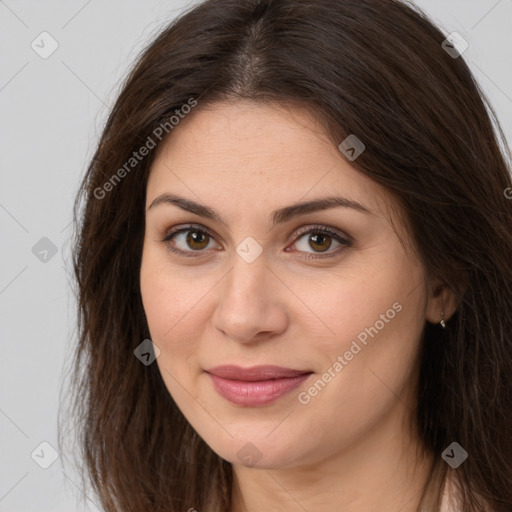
(441, 303)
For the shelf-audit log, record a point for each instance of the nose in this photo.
(251, 303)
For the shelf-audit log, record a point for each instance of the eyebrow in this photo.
(277, 216)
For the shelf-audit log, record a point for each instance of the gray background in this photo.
(52, 111)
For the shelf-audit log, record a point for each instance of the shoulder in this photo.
(450, 497)
(449, 501)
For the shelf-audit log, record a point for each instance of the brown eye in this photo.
(191, 241)
(318, 239)
(188, 240)
(196, 239)
(320, 242)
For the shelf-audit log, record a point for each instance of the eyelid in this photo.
(341, 237)
(324, 229)
(186, 227)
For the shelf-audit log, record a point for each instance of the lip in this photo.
(255, 373)
(255, 386)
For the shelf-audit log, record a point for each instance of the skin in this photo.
(354, 444)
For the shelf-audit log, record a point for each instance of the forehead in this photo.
(253, 146)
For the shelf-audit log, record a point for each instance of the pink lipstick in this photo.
(255, 386)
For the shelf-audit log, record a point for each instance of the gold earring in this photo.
(442, 323)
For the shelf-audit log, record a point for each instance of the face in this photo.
(331, 293)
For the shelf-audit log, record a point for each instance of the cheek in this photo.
(361, 382)
(382, 299)
(163, 313)
(375, 319)
(167, 297)
(175, 316)
(377, 373)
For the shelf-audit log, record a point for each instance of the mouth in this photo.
(255, 386)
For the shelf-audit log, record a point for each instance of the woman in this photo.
(293, 270)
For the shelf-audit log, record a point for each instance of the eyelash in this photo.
(316, 229)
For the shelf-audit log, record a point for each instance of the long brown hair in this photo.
(374, 68)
